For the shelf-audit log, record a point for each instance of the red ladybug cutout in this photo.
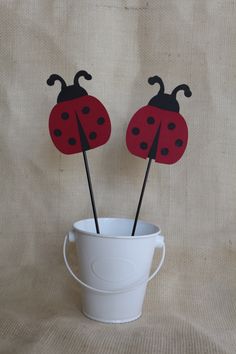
(78, 122)
(158, 131)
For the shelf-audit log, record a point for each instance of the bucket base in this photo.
(111, 321)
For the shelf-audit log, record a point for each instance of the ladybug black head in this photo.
(165, 101)
(70, 92)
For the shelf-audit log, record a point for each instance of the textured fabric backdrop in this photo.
(190, 307)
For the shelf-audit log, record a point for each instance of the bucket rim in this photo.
(76, 227)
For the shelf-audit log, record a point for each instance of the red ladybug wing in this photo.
(173, 137)
(141, 131)
(94, 119)
(84, 116)
(63, 128)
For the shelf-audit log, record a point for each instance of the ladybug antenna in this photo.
(156, 79)
(185, 88)
(80, 73)
(55, 77)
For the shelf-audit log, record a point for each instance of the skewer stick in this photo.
(91, 191)
(141, 196)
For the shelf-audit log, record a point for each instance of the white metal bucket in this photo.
(114, 267)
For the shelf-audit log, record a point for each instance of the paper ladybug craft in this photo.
(157, 131)
(78, 122)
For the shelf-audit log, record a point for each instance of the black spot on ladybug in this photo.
(57, 132)
(100, 121)
(135, 131)
(72, 141)
(179, 142)
(164, 151)
(144, 145)
(92, 135)
(65, 115)
(171, 126)
(85, 110)
(150, 120)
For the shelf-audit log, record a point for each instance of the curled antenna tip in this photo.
(50, 81)
(188, 93)
(151, 80)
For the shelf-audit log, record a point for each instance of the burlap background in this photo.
(190, 307)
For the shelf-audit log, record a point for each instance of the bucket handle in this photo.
(118, 291)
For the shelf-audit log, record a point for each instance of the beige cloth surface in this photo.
(190, 307)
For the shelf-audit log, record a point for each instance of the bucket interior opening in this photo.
(116, 227)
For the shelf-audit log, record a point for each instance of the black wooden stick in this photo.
(141, 196)
(91, 191)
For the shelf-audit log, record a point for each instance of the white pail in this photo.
(114, 267)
